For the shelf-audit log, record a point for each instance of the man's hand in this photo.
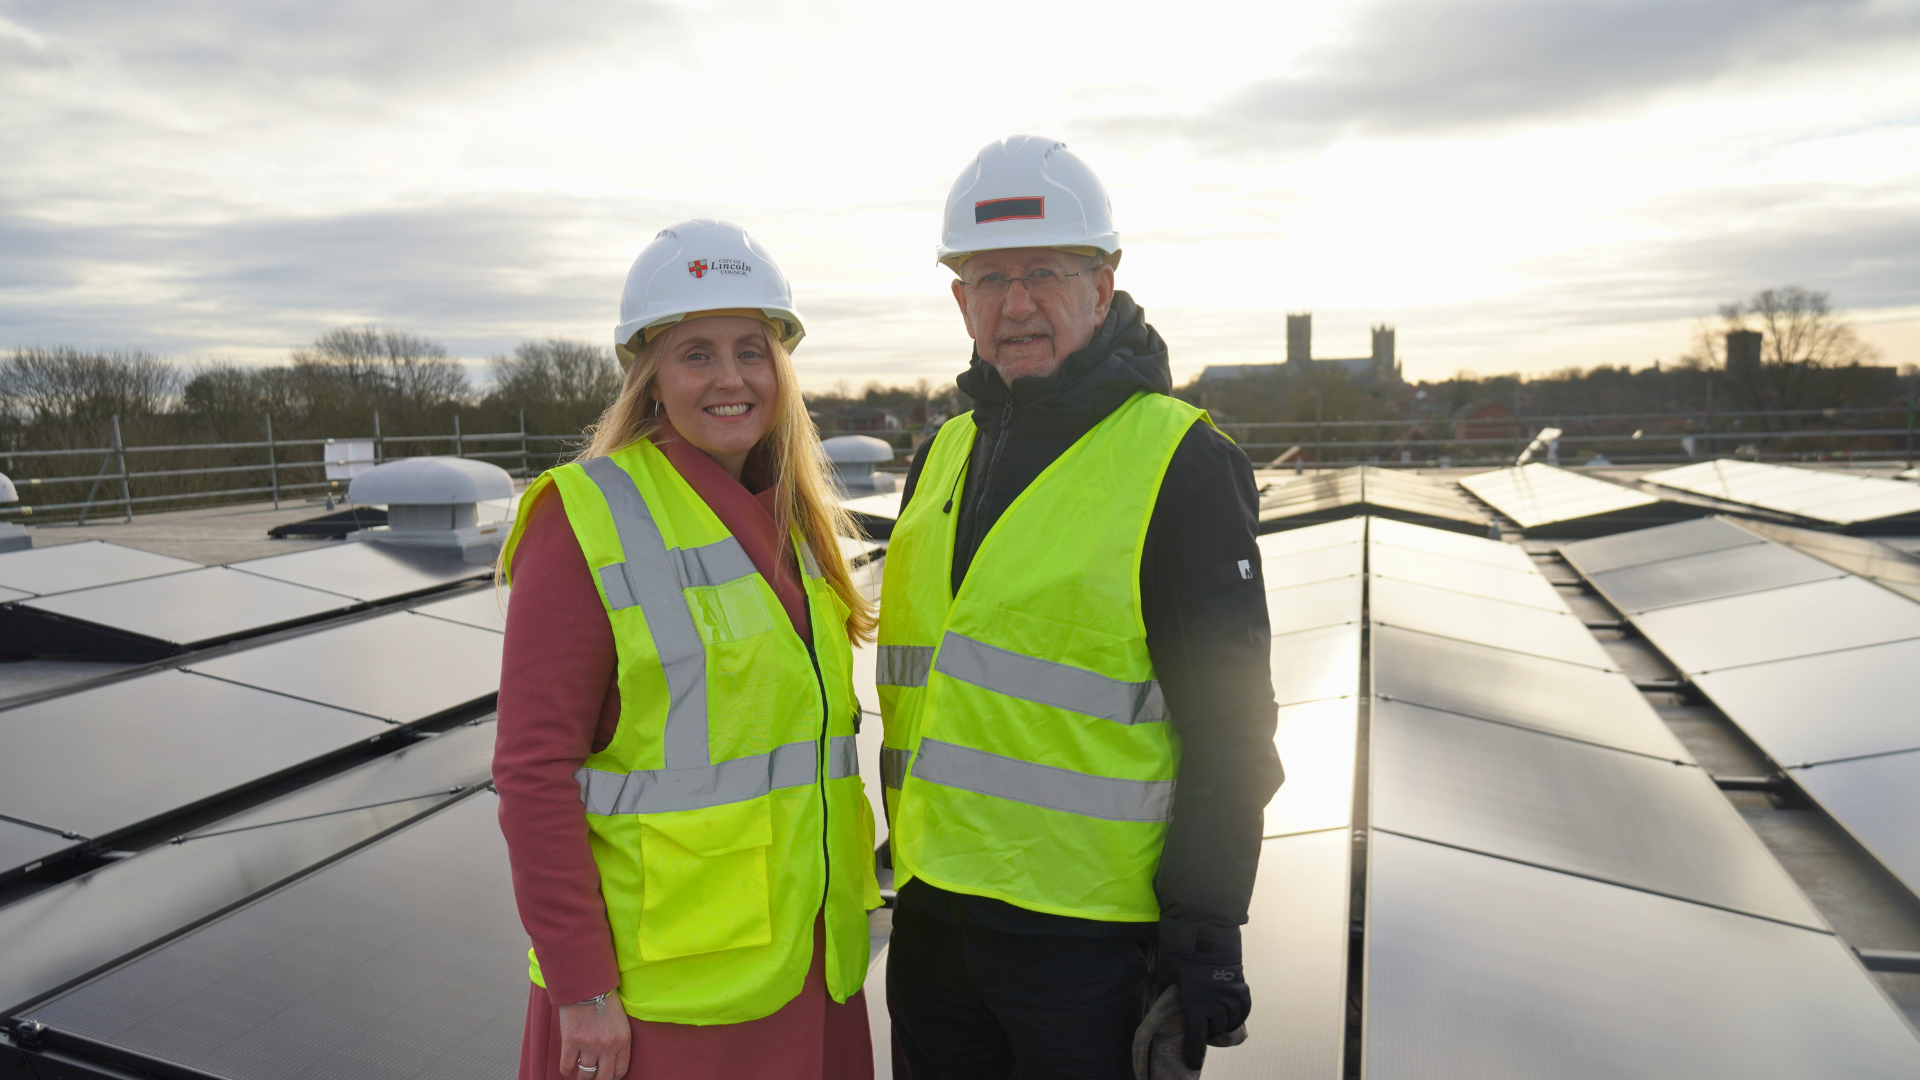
(1214, 999)
(597, 1037)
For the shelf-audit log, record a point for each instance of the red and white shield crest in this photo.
(697, 267)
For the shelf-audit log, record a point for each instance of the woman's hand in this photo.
(596, 1036)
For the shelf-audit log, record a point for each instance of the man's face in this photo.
(1028, 309)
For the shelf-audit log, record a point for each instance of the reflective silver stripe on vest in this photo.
(714, 564)
(893, 766)
(653, 791)
(807, 561)
(649, 578)
(843, 757)
(1059, 685)
(903, 665)
(1043, 785)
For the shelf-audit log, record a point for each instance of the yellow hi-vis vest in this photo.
(728, 807)
(1028, 755)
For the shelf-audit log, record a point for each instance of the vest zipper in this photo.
(974, 537)
(824, 767)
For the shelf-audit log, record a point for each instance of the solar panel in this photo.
(367, 571)
(484, 608)
(1311, 665)
(1571, 806)
(400, 667)
(1316, 744)
(1821, 616)
(1874, 798)
(1319, 564)
(78, 926)
(1435, 541)
(149, 618)
(1544, 500)
(1363, 490)
(1293, 541)
(1693, 578)
(23, 846)
(1486, 968)
(81, 566)
(1821, 495)
(99, 761)
(1653, 545)
(1825, 706)
(1553, 696)
(7, 594)
(1322, 603)
(1465, 617)
(1295, 944)
(1513, 586)
(1888, 566)
(397, 961)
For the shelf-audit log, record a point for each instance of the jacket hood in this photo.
(1125, 356)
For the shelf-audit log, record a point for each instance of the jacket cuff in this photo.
(1188, 937)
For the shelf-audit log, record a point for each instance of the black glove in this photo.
(1214, 999)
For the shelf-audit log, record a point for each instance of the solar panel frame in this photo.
(1551, 696)
(1557, 635)
(1468, 576)
(1486, 968)
(405, 668)
(386, 963)
(1310, 537)
(368, 571)
(1621, 550)
(24, 847)
(1315, 604)
(1779, 624)
(178, 612)
(1314, 665)
(7, 595)
(1824, 707)
(1306, 567)
(1690, 579)
(43, 571)
(1819, 495)
(477, 607)
(1571, 806)
(1873, 799)
(1441, 542)
(152, 746)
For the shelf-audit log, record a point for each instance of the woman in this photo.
(692, 849)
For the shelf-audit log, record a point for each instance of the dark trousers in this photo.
(970, 1002)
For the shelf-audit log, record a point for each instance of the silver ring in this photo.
(587, 1068)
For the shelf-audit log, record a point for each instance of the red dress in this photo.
(558, 704)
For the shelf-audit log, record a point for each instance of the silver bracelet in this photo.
(599, 1000)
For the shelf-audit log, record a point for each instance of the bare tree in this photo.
(1801, 336)
(556, 371)
(42, 385)
(406, 369)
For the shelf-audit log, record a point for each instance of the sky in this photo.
(1515, 185)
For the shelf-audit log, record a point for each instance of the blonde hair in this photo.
(791, 450)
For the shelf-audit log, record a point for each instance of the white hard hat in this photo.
(705, 265)
(1027, 191)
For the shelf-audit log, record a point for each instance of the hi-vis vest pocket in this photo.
(731, 612)
(704, 880)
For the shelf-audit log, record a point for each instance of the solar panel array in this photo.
(1856, 503)
(1293, 502)
(1813, 663)
(1552, 502)
(102, 612)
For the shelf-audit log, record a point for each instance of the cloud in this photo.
(1413, 67)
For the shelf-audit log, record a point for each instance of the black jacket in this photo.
(1204, 605)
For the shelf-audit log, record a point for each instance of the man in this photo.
(1073, 665)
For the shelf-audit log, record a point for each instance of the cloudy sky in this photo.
(1517, 185)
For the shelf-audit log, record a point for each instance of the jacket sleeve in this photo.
(1204, 604)
(556, 674)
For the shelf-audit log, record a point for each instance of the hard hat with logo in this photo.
(704, 267)
(1027, 191)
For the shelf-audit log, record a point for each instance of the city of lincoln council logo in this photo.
(697, 267)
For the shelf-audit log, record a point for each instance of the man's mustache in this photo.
(1030, 328)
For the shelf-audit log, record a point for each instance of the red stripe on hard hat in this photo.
(1021, 208)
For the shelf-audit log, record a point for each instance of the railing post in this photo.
(526, 469)
(1913, 405)
(120, 450)
(379, 444)
(273, 465)
(459, 450)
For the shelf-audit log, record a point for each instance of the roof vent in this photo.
(854, 458)
(12, 537)
(433, 502)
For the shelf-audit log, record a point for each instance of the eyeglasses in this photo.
(1042, 282)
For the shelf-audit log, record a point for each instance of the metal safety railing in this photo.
(115, 472)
